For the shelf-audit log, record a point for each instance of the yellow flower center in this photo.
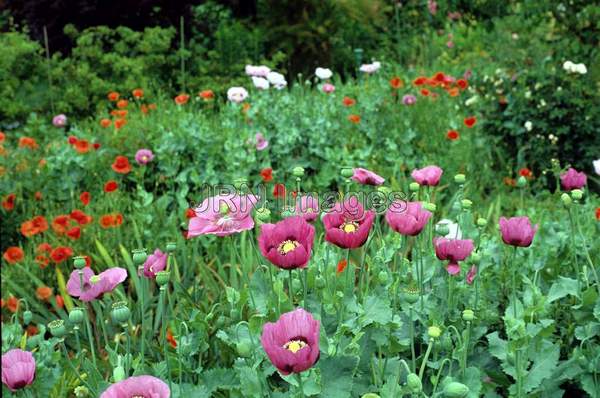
(294, 345)
(144, 158)
(349, 227)
(287, 246)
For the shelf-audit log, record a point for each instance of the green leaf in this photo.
(561, 288)
(336, 376)
(497, 346)
(104, 254)
(544, 362)
(377, 309)
(472, 380)
(223, 379)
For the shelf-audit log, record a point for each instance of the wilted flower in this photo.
(429, 175)
(409, 99)
(59, 120)
(223, 215)
(144, 156)
(287, 244)
(517, 231)
(347, 225)
(261, 142)
(237, 94)
(453, 250)
(328, 88)
(370, 68)
(407, 218)
(292, 343)
(154, 263)
(307, 207)
(138, 386)
(257, 71)
(323, 73)
(367, 177)
(94, 285)
(277, 80)
(573, 179)
(18, 369)
(260, 83)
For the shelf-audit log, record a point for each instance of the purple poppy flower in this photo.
(94, 285)
(517, 231)
(407, 218)
(59, 120)
(429, 175)
(409, 99)
(287, 244)
(18, 369)
(154, 263)
(367, 177)
(138, 386)
(292, 343)
(471, 275)
(453, 250)
(347, 225)
(573, 179)
(261, 142)
(144, 156)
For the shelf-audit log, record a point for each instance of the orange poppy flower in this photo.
(341, 266)
(82, 146)
(138, 93)
(43, 293)
(144, 108)
(42, 261)
(511, 182)
(206, 94)
(60, 302)
(105, 123)
(61, 254)
(80, 217)
(425, 92)
(347, 101)
(38, 195)
(453, 92)
(182, 99)
(13, 255)
(354, 119)
(12, 304)
(60, 224)
(267, 174)
(462, 84)
(9, 202)
(245, 107)
(27, 142)
(106, 221)
(113, 96)
(120, 123)
(152, 107)
(171, 339)
(44, 247)
(121, 165)
(452, 135)
(396, 82)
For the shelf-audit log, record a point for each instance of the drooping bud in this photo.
(566, 199)
(27, 315)
(414, 186)
(81, 392)
(414, 383)
(429, 206)
(243, 349)
(577, 194)
(481, 222)
(347, 172)
(455, 390)
(466, 204)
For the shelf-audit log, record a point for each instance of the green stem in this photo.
(290, 288)
(424, 363)
(300, 384)
(412, 340)
(164, 335)
(142, 314)
(465, 348)
(75, 370)
(574, 250)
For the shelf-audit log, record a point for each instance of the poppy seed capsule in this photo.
(414, 383)
(466, 204)
(414, 186)
(521, 182)
(442, 229)
(460, 178)
(577, 194)
(383, 277)
(162, 278)
(298, 171)
(370, 395)
(139, 256)
(410, 294)
(468, 315)
(243, 349)
(429, 206)
(76, 315)
(27, 315)
(120, 312)
(347, 172)
(566, 199)
(79, 262)
(171, 246)
(434, 332)
(57, 328)
(481, 222)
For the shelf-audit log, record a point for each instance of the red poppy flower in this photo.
(85, 198)
(60, 224)
(341, 266)
(597, 213)
(121, 165)
(182, 99)
(122, 104)
(462, 84)
(38, 195)
(44, 247)
(190, 213)
(32, 330)
(525, 172)
(12, 304)
(425, 92)
(171, 339)
(27, 142)
(106, 221)
(42, 260)
(96, 146)
(267, 174)
(9, 202)
(206, 94)
(120, 123)
(113, 96)
(118, 220)
(80, 217)
(439, 77)
(61, 254)
(138, 93)
(60, 302)
(2, 137)
(354, 119)
(13, 255)
(105, 123)
(74, 233)
(452, 135)
(396, 82)
(347, 101)
(453, 92)
(111, 186)
(72, 139)
(35, 226)
(419, 81)
(43, 293)
(470, 121)
(82, 146)
(279, 191)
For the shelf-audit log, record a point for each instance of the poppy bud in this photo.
(243, 349)
(79, 262)
(577, 194)
(320, 282)
(455, 390)
(460, 178)
(429, 206)
(262, 215)
(414, 186)
(298, 171)
(120, 313)
(27, 317)
(370, 395)
(139, 256)
(468, 315)
(347, 172)
(81, 392)
(566, 199)
(521, 182)
(76, 315)
(466, 204)
(118, 374)
(434, 332)
(171, 246)
(442, 229)
(57, 328)
(475, 257)
(410, 294)
(414, 383)
(162, 278)
(382, 277)
(481, 222)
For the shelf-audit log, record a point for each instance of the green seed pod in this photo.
(347, 172)
(298, 171)
(262, 215)
(410, 294)
(455, 390)
(414, 186)
(118, 374)
(429, 206)
(120, 313)
(577, 194)
(27, 315)
(382, 277)
(76, 315)
(566, 199)
(171, 247)
(320, 282)
(288, 212)
(243, 349)
(81, 392)
(162, 278)
(468, 315)
(442, 229)
(521, 182)
(475, 257)
(460, 178)
(434, 332)
(384, 190)
(79, 262)
(414, 383)
(57, 328)
(370, 395)
(139, 256)
(466, 204)
(481, 222)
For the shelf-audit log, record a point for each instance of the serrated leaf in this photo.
(561, 288)
(472, 380)
(218, 378)
(336, 376)
(544, 362)
(377, 309)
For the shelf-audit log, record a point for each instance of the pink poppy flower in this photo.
(59, 120)
(573, 179)
(292, 343)
(517, 231)
(347, 225)
(407, 218)
(18, 369)
(453, 250)
(287, 244)
(94, 285)
(154, 263)
(223, 215)
(409, 99)
(261, 142)
(138, 386)
(308, 208)
(429, 175)
(471, 275)
(328, 88)
(367, 177)
(144, 156)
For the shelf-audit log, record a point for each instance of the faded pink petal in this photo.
(517, 231)
(407, 218)
(18, 369)
(223, 215)
(429, 175)
(573, 179)
(367, 177)
(138, 386)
